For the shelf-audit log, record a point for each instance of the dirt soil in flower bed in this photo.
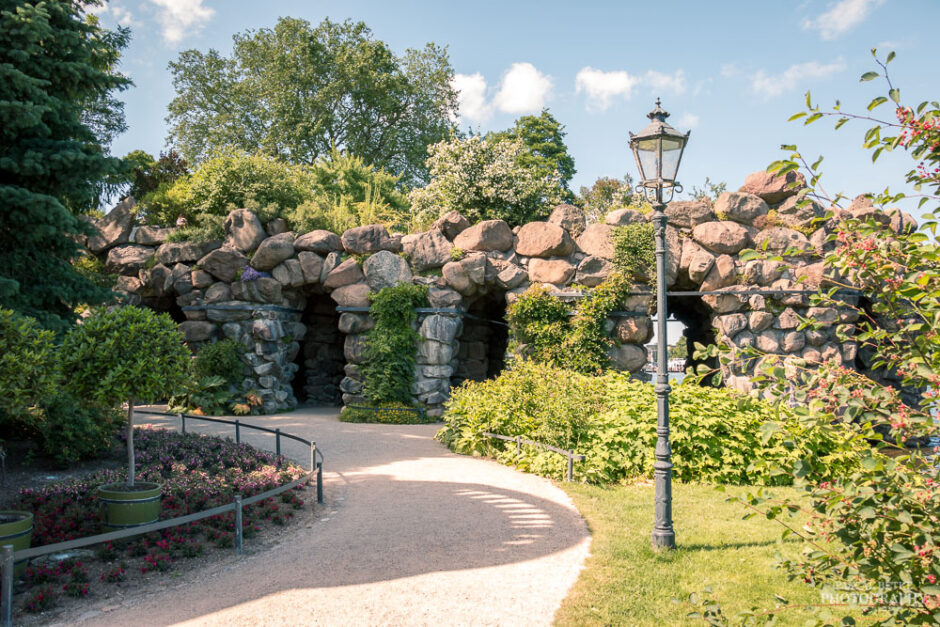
(198, 472)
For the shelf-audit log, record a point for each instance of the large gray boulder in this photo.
(427, 250)
(541, 239)
(555, 271)
(385, 269)
(243, 231)
(687, 214)
(725, 237)
(288, 273)
(115, 228)
(779, 239)
(319, 241)
(773, 188)
(722, 274)
(194, 331)
(791, 213)
(627, 357)
(597, 240)
(451, 224)
(485, 236)
(272, 251)
(458, 278)
(570, 218)
(128, 259)
(151, 235)
(345, 273)
(185, 252)
(623, 217)
(311, 264)
(738, 207)
(355, 295)
(224, 264)
(363, 240)
(592, 271)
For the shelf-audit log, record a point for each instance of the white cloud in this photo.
(777, 84)
(730, 70)
(180, 18)
(121, 14)
(687, 121)
(471, 97)
(841, 17)
(602, 87)
(659, 81)
(523, 89)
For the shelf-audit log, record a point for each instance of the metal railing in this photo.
(8, 555)
(519, 440)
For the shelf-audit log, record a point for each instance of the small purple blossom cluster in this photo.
(250, 274)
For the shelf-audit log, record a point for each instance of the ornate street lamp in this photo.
(658, 151)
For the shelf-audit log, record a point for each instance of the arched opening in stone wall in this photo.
(481, 353)
(693, 314)
(320, 358)
(175, 312)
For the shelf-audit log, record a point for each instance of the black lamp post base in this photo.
(664, 539)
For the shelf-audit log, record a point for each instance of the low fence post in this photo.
(182, 423)
(570, 465)
(238, 524)
(238, 432)
(518, 445)
(320, 482)
(277, 442)
(7, 596)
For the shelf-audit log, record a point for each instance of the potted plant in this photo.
(127, 355)
(27, 377)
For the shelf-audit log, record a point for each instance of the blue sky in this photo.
(732, 72)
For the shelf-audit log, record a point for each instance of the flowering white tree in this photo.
(484, 180)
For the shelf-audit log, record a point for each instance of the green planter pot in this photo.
(16, 528)
(125, 508)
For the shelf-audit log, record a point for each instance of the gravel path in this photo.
(410, 534)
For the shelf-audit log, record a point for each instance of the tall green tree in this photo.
(546, 151)
(57, 113)
(298, 91)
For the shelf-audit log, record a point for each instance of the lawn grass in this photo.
(626, 583)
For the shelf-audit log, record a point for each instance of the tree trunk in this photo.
(131, 471)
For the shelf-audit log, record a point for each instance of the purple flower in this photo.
(250, 274)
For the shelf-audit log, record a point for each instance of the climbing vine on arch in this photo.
(388, 366)
(545, 330)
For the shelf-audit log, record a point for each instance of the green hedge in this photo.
(718, 436)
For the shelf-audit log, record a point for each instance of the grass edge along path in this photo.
(624, 582)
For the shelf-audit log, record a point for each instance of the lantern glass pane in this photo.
(648, 152)
(672, 150)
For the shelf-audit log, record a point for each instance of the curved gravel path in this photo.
(409, 534)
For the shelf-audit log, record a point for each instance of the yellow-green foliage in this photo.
(384, 413)
(717, 435)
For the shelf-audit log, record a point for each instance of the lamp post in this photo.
(658, 151)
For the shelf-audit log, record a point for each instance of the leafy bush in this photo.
(483, 179)
(635, 250)
(385, 414)
(221, 359)
(125, 354)
(337, 192)
(27, 365)
(717, 435)
(391, 345)
(71, 431)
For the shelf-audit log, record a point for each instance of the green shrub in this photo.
(718, 436)
(391, 345)
(635, 250)
(72, 431)
(125, 355)
(543, 329)
(222, 359)
(383, 415)
(27, 365)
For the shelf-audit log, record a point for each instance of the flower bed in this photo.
(197, 472)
